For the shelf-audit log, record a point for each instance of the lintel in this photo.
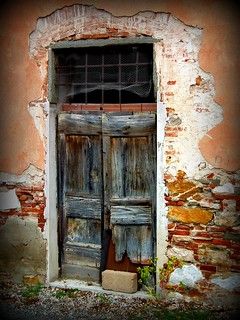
(101, 42)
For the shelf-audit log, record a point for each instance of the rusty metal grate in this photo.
(110, 74)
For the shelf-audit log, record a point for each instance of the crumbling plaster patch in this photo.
(31, 176)
(22, 247)
(38, 111)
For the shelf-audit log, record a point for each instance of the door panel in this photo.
(128, 177)
(81, 167)
(136, 241)
(129, 173)
(106, 182)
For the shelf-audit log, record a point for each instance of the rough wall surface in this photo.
(22, 244)
(200, 161)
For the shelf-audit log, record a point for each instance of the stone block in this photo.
(189, 215)
(188, 275)
(119, 281)
(32, 279)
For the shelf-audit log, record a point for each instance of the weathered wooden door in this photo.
(106, 182)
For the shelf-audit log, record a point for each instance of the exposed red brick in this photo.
(171, 226)
(227, 197)
(91, 107)
(182, 227)
(188, 245)
(72, 107)
(169, 94)
(235, 246)
(206, 267)
(134, 107)
(216, 229)
(199, 228)
(198, 81)
(221, 242)
(131, 107)
(207, 274)
(196, 257)
(210, 176)
(201, 235)
(217, 235)
(192, 246)
(235, 268)
(235, 256)
(37, 188)
(149, 107)
(170, 110)
(171, 134)
(175, 203)
(181, 232)
(171, 82)
(202, 240)
(23, 197)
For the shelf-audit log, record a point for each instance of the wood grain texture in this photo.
(129, 174)
(131, 166)
(83, 255)
(106, 181)
(83, 230)
(83, 165)
(136, 241)
(77, 207)
(125, 125)
(126, 215)
(86, 124)
(80, 272)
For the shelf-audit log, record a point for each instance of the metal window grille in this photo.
(110, 74)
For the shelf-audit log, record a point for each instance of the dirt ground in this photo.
(18, 302)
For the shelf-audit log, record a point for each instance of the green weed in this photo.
(103, 298)
(32, 291)
(63, 293)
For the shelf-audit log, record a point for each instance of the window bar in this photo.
(119, 79)
(71, 87)
(137, 69)
(137, 59)
(102, 80)
(86, 62)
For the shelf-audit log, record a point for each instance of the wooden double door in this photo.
(106, 173)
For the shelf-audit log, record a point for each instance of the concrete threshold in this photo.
(93, 287)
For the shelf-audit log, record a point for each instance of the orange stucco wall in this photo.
(21, 83)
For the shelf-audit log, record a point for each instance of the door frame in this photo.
(51, 210)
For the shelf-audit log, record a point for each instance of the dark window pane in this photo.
(76, 94)
(128, 56)
(111, 96)
(111, 57)
(94, 93)
(75, 59)
(144, 73)
(94, 57)
(111, 74)
(78, 75)
(94, 74)
(128, 74)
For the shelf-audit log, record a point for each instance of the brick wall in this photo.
(32, 201)
(204, 222)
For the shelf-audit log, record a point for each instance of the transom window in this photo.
(108, 74)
